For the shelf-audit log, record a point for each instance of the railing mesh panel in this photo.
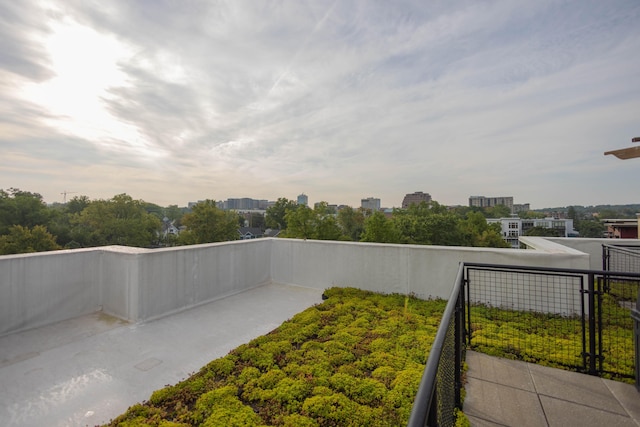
(623, 258)
(511, 313)
(446, 379)
(616, 339)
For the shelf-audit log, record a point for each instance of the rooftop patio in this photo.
(85, 334)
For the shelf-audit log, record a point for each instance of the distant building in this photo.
(622, 228)
(524, 207)
(303, 199)
(415, 199)
(247, 233)
(514, 227)
(370, 203)
(489, 202)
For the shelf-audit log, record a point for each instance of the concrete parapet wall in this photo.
(141, 284)
(43, 288)
(426, 271)
(590, 246)
(171, 280)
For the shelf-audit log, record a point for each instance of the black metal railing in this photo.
(625, 257)
(621, 257)
(581, 307)
(439, 393)
(510, 309)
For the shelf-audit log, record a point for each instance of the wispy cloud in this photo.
(174, 101)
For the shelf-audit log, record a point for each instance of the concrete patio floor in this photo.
(501, 392)
(86, 371)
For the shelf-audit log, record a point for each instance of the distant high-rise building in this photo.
(370, 203)
(524, 207)
(415, 199)
(303, 199)
(489, 202)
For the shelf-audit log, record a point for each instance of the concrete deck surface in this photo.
(501, 392)
(88, 370)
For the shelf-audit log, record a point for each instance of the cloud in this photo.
(339, 100)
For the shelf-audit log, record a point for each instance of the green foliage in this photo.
(207, 224)
(590, 228)
(117, 221)
(356, 359)
(222, 408)
(352, 222)
(499, 211)
(378, 228)
(275, 214)
(22, 208)
(22, 240)
(429, 224)
(317, 223)
(555, 340)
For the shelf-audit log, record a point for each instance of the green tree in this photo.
(429, 224)
(352, 222)
(590, 228)
(206, 223)
(479, 233)
(23, 208)
(174, 213)
(317, 223)
(276, 213)
(530, 215)
(378, 228)
(118, 221)
(23, 239)
(300, 223)
(325, 223)
(154, 209)
(498, 211)
(77, 204)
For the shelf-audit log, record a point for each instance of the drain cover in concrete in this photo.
(151, 362)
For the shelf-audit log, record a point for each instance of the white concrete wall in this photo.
(140, 284)
(174, 279)
(43, 288)
(426, 271)
(592, 247)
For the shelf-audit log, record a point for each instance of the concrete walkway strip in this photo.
(88, 370)
(501, 392)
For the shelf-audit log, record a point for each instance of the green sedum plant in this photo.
(354, 360)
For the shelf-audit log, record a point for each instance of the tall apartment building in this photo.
(489, 202)
(370, 203)
(415, 199)
(245, 204)
(303, 199)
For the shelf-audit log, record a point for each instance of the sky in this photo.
(178, 101)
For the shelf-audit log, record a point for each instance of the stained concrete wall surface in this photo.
(140, 284)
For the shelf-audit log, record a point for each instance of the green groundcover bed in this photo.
(354, 360)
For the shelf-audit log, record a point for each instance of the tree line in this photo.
(28, 224)
(422, 224)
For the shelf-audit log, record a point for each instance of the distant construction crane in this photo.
(64, 193)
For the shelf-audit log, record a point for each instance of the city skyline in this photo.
(176, 102)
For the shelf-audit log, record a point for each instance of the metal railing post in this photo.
(635, 315)
(592, 326)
